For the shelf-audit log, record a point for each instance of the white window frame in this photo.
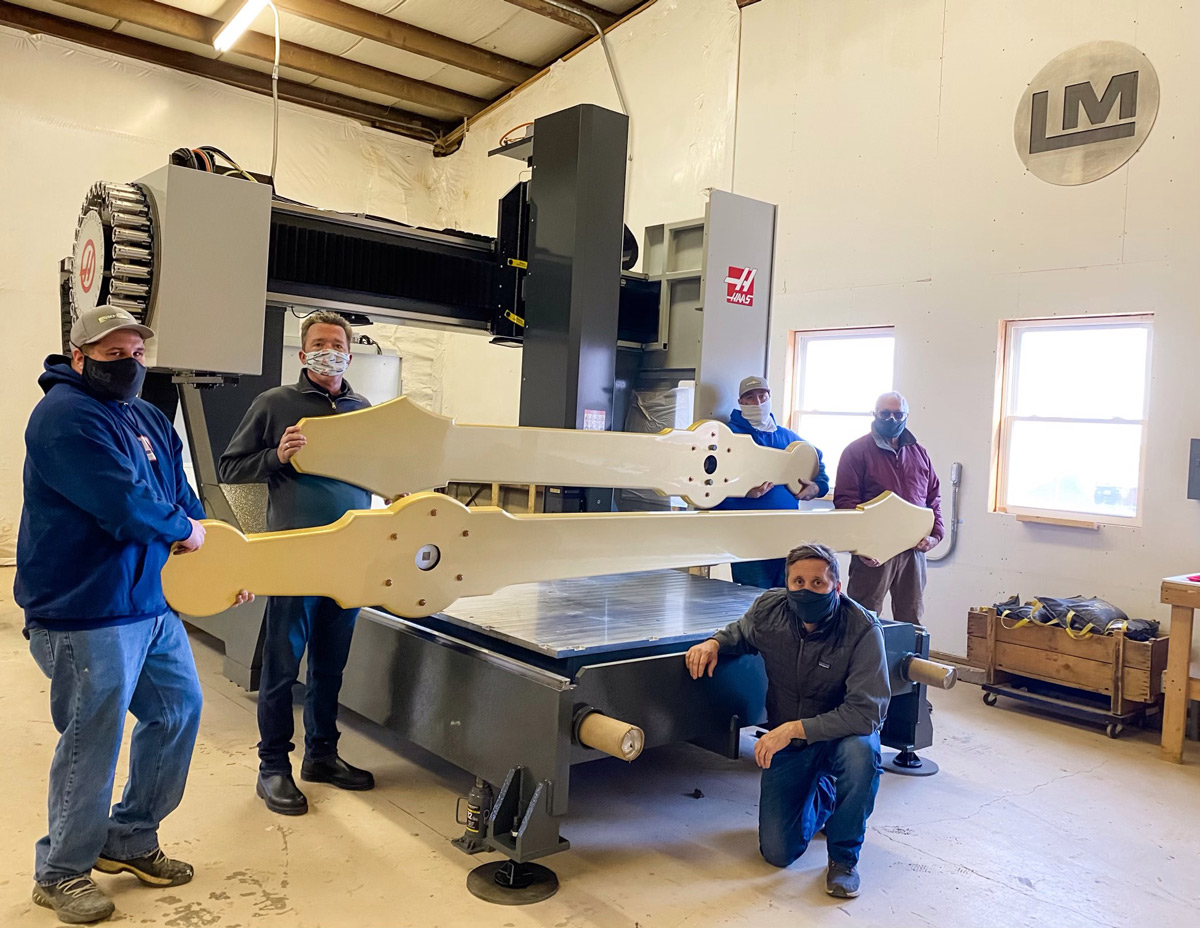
(797, 344)
(1008, 361)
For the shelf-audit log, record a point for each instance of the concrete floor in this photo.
(1031, 822)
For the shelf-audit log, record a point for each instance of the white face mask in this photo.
(759, 415)
(327, 361)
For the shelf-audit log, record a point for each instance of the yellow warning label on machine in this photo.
(517, 262)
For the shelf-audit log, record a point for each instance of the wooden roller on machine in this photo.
(618, 739)
(930, 673)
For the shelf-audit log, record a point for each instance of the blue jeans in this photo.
(97, 675)
(292, 623)
(830, 784)
(767, 575)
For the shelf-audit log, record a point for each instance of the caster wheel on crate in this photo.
(1114, 729)
(989, 699)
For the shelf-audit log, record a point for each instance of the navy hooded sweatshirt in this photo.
(778, 497)
(105, 498)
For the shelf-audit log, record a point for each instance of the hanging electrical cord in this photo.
(275, 97)
(612, 69)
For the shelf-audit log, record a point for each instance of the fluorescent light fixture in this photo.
(232, 30)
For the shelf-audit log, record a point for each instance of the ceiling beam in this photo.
(453, 139)
(574, 20)
(184, 25)
(383, 117)
(393, 32)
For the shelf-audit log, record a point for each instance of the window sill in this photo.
(1054, 520)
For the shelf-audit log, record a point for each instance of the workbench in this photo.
(1183, 596)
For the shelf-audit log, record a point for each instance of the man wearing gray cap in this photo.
(753, 417)
(105, 503)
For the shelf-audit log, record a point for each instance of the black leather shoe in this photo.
(336, 771)
(280, 793)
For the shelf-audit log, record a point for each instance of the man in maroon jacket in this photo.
(889, 458)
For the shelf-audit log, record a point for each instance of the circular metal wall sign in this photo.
(1086, 113)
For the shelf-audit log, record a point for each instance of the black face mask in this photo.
(887, 429)
(813, 608)
(113, 380)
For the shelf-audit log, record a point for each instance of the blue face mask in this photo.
(887, 429)
(813, 608)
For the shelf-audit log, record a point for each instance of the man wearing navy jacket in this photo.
(753, 417)
(105, 503)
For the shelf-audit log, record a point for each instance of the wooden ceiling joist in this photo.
(388, 31)
(574, 20)
(184, 25)
(384, 117)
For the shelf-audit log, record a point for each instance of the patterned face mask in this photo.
(327, 361)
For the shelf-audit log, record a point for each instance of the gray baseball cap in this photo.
(753, 383)
(93, 325)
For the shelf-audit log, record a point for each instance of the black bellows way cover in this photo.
(1081, 615)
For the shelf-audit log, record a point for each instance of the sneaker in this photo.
(153, 869)
(334, 770)
(841, 881)
(75, 900)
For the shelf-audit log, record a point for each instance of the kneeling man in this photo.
(827, 694)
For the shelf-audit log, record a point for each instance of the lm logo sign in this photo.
(1086, 113)
(739, 285)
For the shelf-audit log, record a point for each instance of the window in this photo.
(836, 376)
(1073, 405)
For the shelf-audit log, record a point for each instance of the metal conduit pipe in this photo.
(955, 482)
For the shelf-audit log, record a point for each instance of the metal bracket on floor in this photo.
(520, 827)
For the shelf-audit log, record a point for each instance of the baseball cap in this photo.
(752, 383)
(93, 325)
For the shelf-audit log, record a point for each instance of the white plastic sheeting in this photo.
(677, 62)
(678, 67)
(70, 116)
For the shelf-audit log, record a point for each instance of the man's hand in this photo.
(760, 490)
(192, 542)
(808, 490)
(928, 543)
(869, 561)
(776, 740)
(243, 597)
(293, 440)
(702, 657)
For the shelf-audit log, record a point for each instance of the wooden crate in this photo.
(1128, 672)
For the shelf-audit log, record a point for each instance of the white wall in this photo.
(884, 131)
(677, 63)
(70, 116)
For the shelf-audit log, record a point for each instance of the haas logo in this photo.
(739, 285)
